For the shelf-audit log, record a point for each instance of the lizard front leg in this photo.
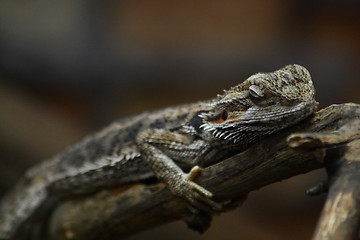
(157, 146)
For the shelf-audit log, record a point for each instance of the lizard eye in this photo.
(256, 94)
(224, 115)
(256, 91)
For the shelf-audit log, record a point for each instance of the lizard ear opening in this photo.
(222, 117)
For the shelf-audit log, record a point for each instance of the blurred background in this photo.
(68, 68)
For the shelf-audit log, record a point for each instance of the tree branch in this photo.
(119, 212)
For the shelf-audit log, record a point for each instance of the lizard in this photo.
(166, 144)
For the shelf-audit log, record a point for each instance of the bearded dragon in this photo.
(165, 144)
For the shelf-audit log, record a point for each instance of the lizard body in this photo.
(164, 144)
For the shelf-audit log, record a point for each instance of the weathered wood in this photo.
(119, 212)
(340, 218)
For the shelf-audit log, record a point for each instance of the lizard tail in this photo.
(18, 206)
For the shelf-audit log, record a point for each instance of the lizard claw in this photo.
(191, 176)
(194, 171)
(196, 195)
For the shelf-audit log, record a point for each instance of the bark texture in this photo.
(330, 138)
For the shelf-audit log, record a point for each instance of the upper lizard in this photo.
(164, 144)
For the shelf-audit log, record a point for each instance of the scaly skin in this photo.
(164, 144)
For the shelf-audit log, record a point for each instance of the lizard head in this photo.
(262, 104)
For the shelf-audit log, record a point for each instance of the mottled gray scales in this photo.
(164, 144)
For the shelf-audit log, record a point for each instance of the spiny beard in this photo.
(236, 134)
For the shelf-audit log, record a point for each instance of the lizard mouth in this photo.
(256, 122)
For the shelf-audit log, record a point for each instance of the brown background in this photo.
(68, 68)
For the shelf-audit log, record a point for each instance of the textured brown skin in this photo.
(163, 143)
